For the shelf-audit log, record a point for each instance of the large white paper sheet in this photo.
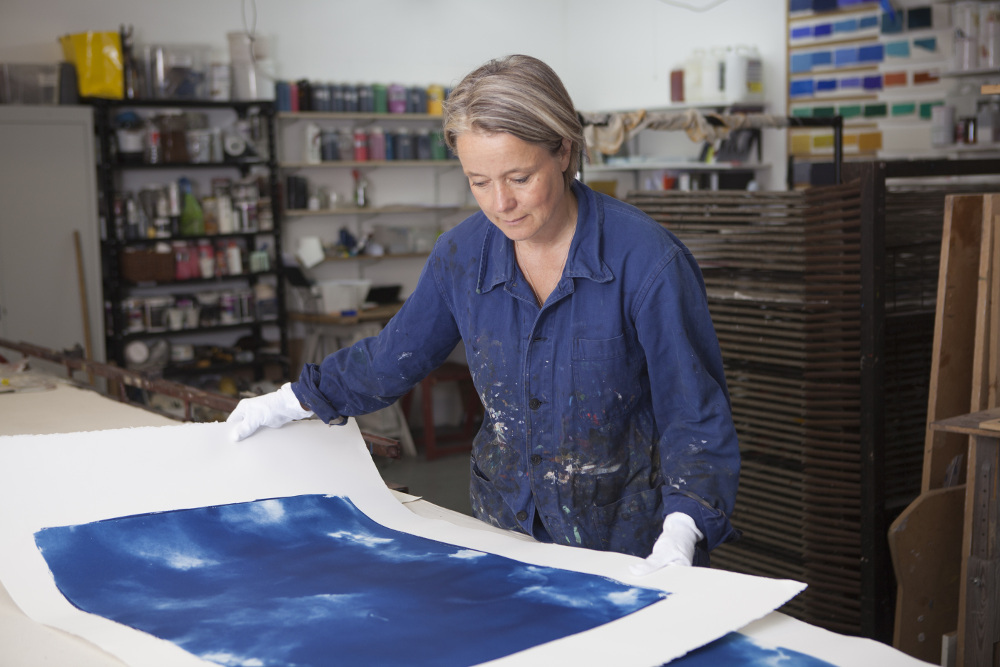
(67, 479)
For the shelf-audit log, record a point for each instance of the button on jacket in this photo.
(605, 409)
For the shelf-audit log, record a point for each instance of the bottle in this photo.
(346, 144)
(376, 143)
(397, 98)
(435, 100)
(423, 144)
(234, 259)
(403, 144)
(313, 148)
(360, 189)
(130, 73)
(360, 145)
(380, 98)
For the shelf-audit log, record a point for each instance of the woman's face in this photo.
(518, 185)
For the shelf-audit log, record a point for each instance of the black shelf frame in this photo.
(109, 168)
(877, 601)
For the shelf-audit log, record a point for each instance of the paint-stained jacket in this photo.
(606, 409)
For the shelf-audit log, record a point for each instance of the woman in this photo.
(587, 333)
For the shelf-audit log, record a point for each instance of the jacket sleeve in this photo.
(698, 447)
(374, 372)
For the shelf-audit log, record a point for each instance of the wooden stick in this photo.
(84, 306)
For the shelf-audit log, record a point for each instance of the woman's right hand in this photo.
(273, 410)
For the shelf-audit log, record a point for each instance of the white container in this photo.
(692, 76)
(344, 295)
(942, 125)
(744, 75)
(244, 49)
(989, 35)
(220, 82)
(253, 81)
(713, 75)
(311, 146)
(965, 23)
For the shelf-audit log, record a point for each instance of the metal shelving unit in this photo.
(110, 174)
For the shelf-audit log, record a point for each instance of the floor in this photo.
(443, 481)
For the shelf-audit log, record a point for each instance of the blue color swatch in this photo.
(310, 580)
(801, 88)
(898, 49)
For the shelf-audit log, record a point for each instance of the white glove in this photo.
(674, 546)
(274, 410)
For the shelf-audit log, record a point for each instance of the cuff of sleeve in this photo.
(713, 524)
(314, 402)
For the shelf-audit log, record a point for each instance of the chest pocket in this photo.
(605, 379)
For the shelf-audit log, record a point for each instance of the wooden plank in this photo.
(984, 329)
(927, 571)
(978, 604)
(954, 327)
(991, 219)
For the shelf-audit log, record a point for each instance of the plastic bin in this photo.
(29, 84)
(344, 295)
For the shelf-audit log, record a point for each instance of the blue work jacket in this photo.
(605, 409)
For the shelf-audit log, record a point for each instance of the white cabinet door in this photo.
(47, 190)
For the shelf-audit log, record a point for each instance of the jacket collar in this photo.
(585, 252)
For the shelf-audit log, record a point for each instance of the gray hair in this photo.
(519, 95)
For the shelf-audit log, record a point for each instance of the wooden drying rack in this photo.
(119, 379)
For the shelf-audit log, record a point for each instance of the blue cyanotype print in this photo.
(739, 649)
(311, 580)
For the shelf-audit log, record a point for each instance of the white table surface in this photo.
(67, 409)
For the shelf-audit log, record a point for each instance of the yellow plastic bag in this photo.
(98, 60)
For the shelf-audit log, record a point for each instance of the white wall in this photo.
(611, 54)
